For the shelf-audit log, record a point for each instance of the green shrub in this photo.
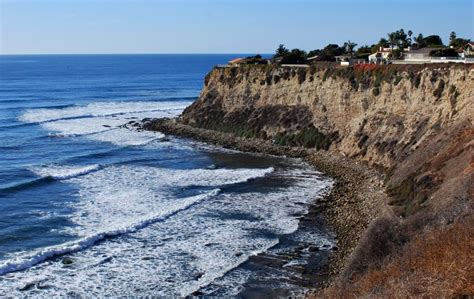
(410, 194)
(448, 52)
(309, 138)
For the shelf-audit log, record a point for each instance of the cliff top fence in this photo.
(399, 65)
(434, 60)
(323, 64)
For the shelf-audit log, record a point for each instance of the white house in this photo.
(469, 50)
(381, 56)
(423, 56)
(419, 55)
(347, 60)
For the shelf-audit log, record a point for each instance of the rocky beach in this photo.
(356, 199)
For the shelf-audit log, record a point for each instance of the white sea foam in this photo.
(115, 197)
(81, 126)
(180, 254)
(93, 130)
(62, 172)
(125, 176)
(25, 262)
(119, 194)
(99, 109)
(93, 125)
(108, 128)
(208, 177)
(126, 137)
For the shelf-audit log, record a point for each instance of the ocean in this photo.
(89, 207)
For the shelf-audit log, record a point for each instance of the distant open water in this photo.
(88, 207)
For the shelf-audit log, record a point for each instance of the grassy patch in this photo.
(309, 137)
(240, 131)
(410, 194)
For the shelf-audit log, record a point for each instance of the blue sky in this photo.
(217, 26)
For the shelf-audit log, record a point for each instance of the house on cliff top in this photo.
(419, 55)
(257, 59)
(469, 50)
(381, 56)
(438, 55)
(236, 60)
(346, 60)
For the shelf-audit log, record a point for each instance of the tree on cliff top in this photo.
(364, 51)
(399, 39)
(420, 41)
(295, 56)
(349, 47)
(433, 41)
(447, 52)
(457, 42)
(329, 52)
(281, 51)
(285, 56)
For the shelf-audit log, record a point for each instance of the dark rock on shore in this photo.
(67, 261)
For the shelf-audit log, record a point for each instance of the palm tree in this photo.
(392, 39)
(349, 47)
(452, 38)
(383, 42)
(419, 40)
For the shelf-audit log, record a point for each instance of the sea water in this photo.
(90, 207)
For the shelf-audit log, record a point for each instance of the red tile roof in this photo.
(236, 60)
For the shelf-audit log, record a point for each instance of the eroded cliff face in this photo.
(374, 116)
(413, 121)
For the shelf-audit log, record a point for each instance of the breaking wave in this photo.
(28, 261)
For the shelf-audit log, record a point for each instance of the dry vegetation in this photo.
(429, 252)
(436, 264)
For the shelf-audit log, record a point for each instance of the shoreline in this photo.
(356, 199)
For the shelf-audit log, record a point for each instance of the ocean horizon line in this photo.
(97, 54)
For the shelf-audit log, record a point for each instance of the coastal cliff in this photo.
(378, 115)
(413, 124)
(406, 120)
